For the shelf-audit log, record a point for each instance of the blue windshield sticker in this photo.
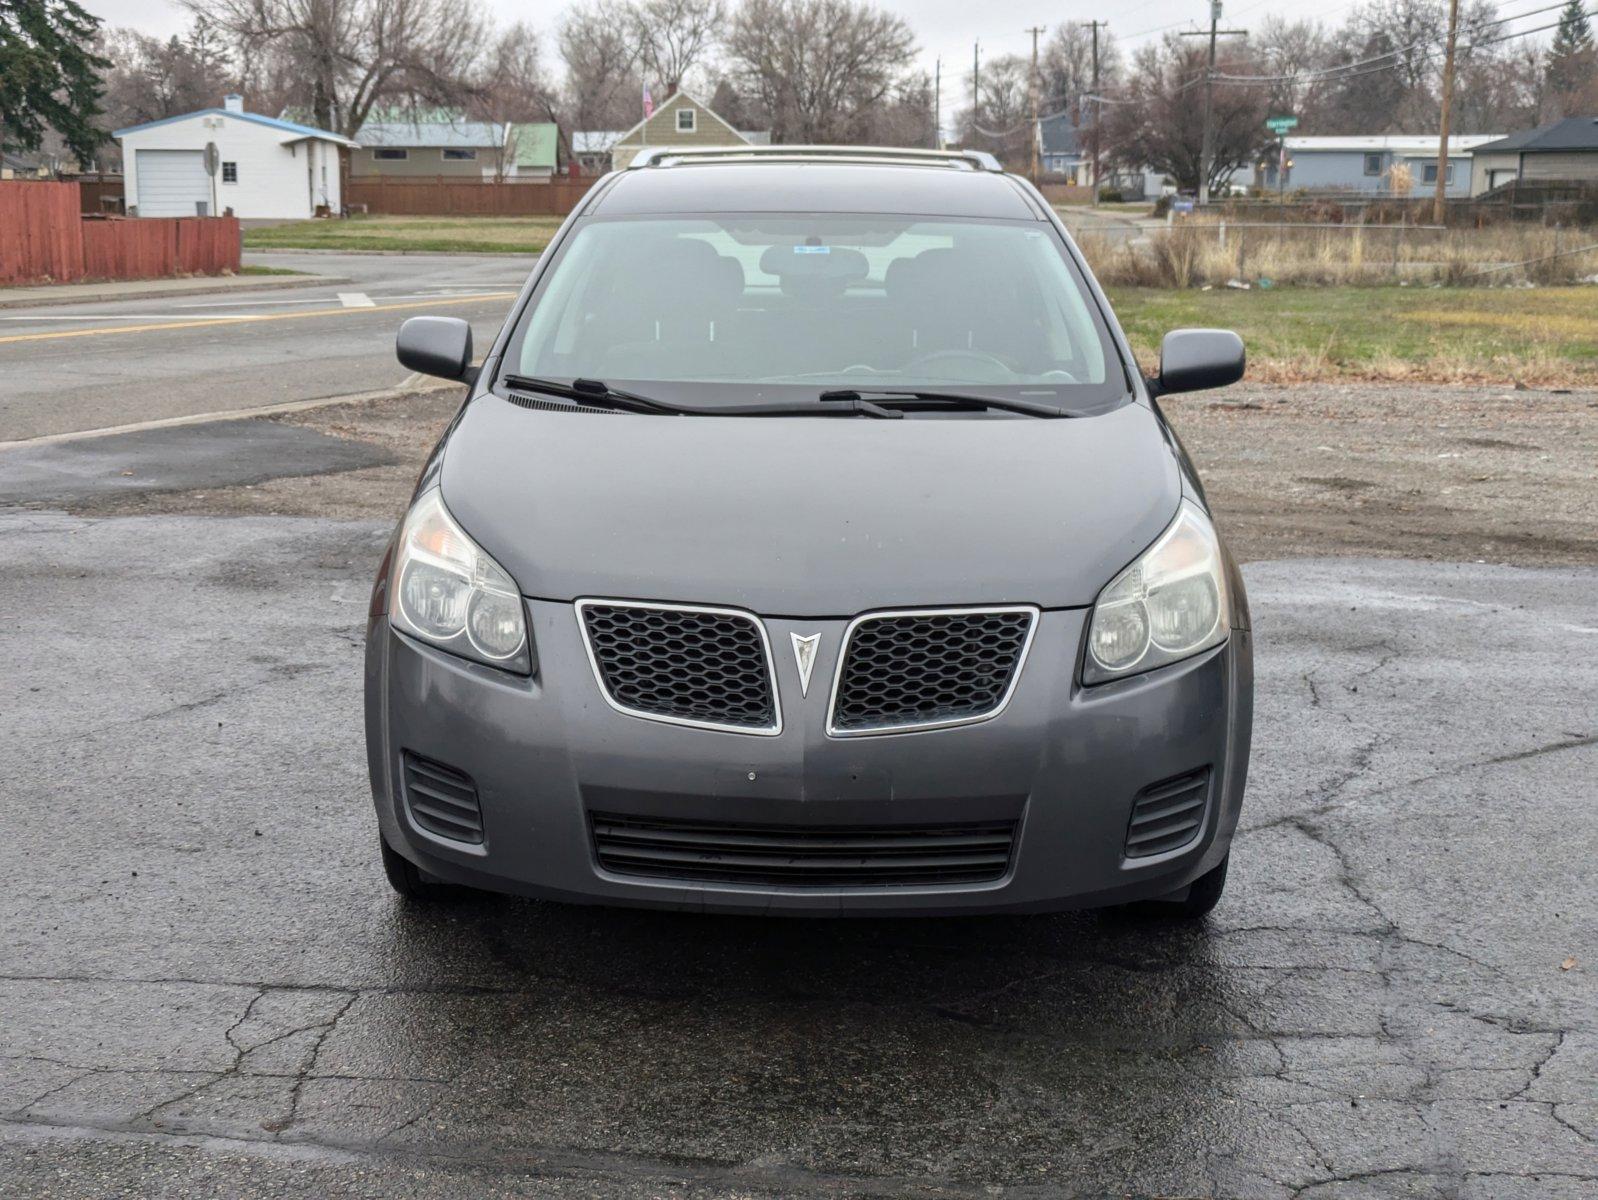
(812, 249)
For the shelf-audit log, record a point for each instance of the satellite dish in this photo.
(213, 159)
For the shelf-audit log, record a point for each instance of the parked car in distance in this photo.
(810, 543)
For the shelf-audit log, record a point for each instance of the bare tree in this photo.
(1002, 120)
(819, 67)
(1159, 123)
(1296, 53)
(1067, 69)
(603, 85)
(150, 79)
(674, 36)
(350, 54)
(508, 89)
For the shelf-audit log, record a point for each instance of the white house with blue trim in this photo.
(267, 167)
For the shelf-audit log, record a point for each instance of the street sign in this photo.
(1280, 125)
(213, 159)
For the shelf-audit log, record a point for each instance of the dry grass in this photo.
(1203, 254)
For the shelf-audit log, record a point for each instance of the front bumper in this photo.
(1063, 760)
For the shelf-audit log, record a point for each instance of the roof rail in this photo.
(970, 160)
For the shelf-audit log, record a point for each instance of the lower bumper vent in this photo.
(1168, 815)
(442, 800)
(803, 855)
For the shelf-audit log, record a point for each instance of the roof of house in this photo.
(1059, 135)
(452, 135)
(1397, 143)
(535, 144)
(300, 131)
(1571, 133)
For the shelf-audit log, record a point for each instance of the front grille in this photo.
(442, 800)
(803, 855)
(1168, 815)
(910, 670)
(694, 666)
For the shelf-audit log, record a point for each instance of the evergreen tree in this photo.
(49, 75)
(1571, 60)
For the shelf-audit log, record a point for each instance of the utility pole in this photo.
(1098, 105)
(1037, 130)
(1439, 199)
(1207, 148)
(976, 86)
(937, 104)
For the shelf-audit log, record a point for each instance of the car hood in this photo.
(806, 516)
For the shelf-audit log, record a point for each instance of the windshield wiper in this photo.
(911, 400)
(596, 394)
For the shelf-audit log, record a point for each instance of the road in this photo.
(92, 366)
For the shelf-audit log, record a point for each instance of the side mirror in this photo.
(439, 346)
(1194, 359)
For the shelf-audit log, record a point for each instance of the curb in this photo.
(265, 283)
(412, 385)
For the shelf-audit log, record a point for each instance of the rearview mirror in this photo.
(1194, 359)
(439, 346)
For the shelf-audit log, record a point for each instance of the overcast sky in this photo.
(943, 27)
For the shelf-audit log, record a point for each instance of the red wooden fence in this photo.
(44, 238)
(464, 198)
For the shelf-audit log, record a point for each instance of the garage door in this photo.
(172, 183)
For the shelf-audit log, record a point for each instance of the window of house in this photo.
(686, 118)
(1373, 164)
(230, 172)
(459, 155)
(1428, 173)
(390, 154)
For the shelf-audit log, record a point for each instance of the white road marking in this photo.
(43, 319)
(355, 300)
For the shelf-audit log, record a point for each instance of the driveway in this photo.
(208, 988)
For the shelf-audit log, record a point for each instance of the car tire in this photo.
(1203, 894)
(408, 880)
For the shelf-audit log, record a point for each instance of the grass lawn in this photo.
(492, 235)
(256, 269)
(1535, 335)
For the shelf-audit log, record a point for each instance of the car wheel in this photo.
(406, 879)
(1203, 894)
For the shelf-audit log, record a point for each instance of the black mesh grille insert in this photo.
(928, 668)
(442, 800)
(1168, 815)
(803, 855)
(689, 665)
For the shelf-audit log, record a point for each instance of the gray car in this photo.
(810, 543)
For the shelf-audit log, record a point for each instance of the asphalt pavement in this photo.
(67, 368)
(207, 987)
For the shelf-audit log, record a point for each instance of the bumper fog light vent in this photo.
(839, 856)
(1168, 815)
(442, 800)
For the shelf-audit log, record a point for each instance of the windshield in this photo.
(789, 306)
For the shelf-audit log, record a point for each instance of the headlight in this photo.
(450, 594)
(1169, 604)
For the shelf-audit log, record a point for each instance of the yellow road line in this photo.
(247, 319)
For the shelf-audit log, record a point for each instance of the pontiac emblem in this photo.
(804, 656)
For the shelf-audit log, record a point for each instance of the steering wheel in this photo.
(979, 358)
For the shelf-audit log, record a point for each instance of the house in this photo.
(1566, 149)
(592, 150)
(451, 147)
(1366, 164)
(267, 167)
(532, 152)
(1064, 149)
(681, 120)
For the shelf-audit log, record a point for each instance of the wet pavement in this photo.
(206, 987)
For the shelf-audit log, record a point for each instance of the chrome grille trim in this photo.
(581, 606)
(1032, 612)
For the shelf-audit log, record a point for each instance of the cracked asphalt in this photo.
(206, 987)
